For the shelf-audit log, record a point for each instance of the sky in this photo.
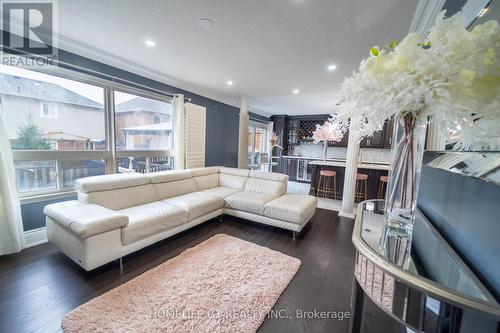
(92, 92)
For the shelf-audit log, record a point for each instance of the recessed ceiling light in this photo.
(149, 42)
(229, 83)
(206, 22)
(296, 91)
(331, 68)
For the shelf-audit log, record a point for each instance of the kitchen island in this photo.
(373, 170)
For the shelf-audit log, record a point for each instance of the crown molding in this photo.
(106, 58)
(259, 112)
(425, 15)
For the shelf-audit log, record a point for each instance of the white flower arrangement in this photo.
(452, 75)
(329, 131)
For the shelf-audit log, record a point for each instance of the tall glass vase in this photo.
(402, 189)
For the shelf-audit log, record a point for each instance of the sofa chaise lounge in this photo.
(118, 214)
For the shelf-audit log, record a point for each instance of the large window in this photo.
(143, 132)
(60, 128)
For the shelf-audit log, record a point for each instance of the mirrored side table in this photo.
(434, 292)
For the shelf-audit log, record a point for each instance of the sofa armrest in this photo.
(85, 220)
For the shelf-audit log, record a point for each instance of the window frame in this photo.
(109, 154)
(50, 107)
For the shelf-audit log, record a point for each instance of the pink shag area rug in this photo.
(223, 284)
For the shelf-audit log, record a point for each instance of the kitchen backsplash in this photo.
(313, 150)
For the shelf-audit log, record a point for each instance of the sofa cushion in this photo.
(235, 172)
(207, 181)
(296, 208)
(205, 171)
(252, 202)
(175, 188)
(150, 219)
(265, 186)
(121, 198)
(197, 203)
(231, 181)
(85, 220)
(277, 177)
(110, 182)
(169, 176)
(221, 191)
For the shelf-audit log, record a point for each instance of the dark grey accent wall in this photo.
(466, 211)
(32, 213)
(453, 6)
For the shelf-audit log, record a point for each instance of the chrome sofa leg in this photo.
(294, 234)
(121, 264)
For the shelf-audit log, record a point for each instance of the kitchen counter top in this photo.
(296, 157)
(362, 165)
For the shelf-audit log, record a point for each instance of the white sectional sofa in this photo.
(121, 213)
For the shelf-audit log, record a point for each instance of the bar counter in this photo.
(373, 170)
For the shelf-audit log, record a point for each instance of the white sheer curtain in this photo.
(11, 224)
(179, 132)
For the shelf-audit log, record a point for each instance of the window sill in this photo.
(46, 197)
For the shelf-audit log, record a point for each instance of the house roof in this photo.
(20, 86)
(144, 104)
(152, 128)
(64, 136)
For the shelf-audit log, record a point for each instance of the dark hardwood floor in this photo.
(40, 285)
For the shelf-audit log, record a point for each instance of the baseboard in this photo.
(35, 237)
(351, 216)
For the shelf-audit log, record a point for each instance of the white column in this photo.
(243, 134)
(351, 169)
(270, 127)
(179, 132)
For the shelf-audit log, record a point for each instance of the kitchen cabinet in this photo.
(388, 131)
(279, 127)
(373, 181)
(308, 126)
(293, 128)
(380, 139)
(374, 141)
(342, 143)
(288, 166)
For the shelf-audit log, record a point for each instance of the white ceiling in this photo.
(267, 47)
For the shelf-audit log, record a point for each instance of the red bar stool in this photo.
(382, 187)
(327, 184)
(361, 190)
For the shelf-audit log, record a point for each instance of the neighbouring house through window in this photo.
(59, 128)
(48, 110)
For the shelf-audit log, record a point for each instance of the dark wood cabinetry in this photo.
(292, 130)
(374, 141)
(279, 127)
(388, 131)
(288, 166)
(372, 186)
(342, 143)
(380, 139)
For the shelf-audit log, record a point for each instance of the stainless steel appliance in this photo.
(304, 171)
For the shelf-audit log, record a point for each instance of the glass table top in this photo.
(430, 256)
